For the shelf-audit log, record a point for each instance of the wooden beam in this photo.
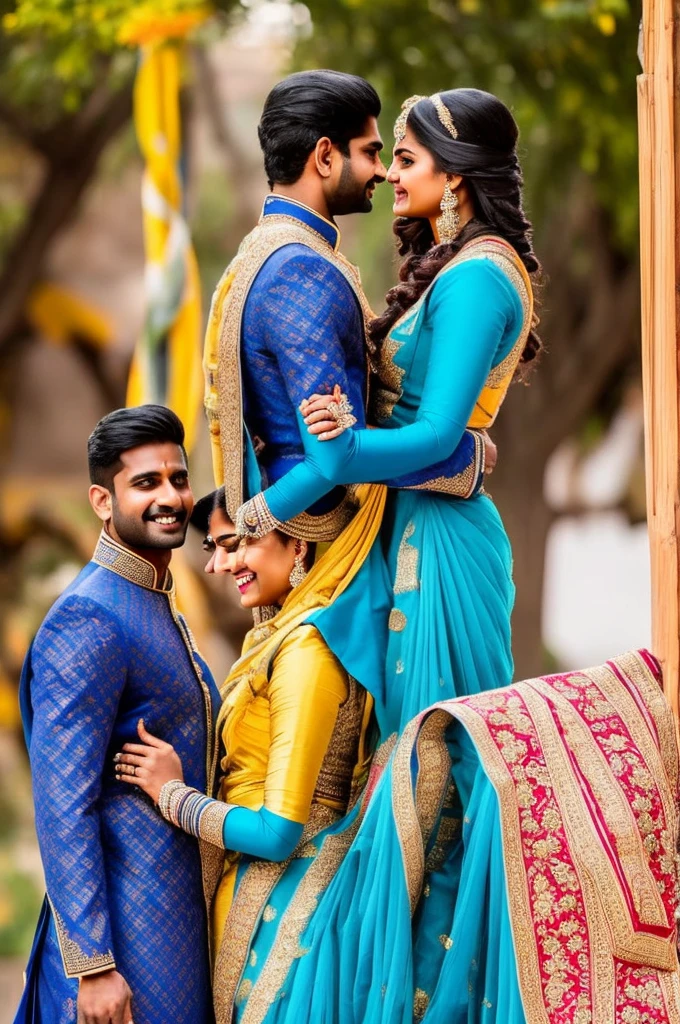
(659, 134)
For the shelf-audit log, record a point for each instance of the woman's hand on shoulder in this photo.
(149, 764)
(327, 416)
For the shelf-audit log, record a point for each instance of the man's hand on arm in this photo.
(104, 999)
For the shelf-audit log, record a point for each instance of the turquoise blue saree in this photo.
(362, 934)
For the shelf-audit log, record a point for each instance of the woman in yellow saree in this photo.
(295, 732)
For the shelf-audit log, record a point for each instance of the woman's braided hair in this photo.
(485, 155)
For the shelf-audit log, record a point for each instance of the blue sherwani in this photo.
(124, 887)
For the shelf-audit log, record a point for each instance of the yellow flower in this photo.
(606, 24)
(146, 25)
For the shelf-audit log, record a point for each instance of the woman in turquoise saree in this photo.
(455, 330)
(449, 344)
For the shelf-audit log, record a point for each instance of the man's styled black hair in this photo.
(124, 429)
(309, 106)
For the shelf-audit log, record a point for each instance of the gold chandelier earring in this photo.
(298, 572)
(448, 221)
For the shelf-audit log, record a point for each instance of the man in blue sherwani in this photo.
(123, 933)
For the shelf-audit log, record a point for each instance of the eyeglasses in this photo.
(228, 544)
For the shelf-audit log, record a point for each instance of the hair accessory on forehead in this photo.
(443, 113)
(406, 108)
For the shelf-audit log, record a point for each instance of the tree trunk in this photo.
(67, 175)
(517, 489)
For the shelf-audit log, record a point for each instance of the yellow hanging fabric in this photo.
(167, 363)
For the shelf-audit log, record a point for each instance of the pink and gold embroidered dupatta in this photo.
(585, 767)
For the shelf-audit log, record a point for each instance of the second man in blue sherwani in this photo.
(123, 934)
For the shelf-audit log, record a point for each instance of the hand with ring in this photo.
(149, 764)
(328, 416)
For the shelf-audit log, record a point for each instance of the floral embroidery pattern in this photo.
(597, 948)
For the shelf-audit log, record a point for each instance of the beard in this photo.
(351, 196)
(140, 533)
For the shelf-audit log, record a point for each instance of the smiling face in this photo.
(418, 185)
(261, 568)
(354, 179)
(150, 500)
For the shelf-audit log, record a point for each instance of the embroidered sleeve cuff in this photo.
(194, 812)
(253, 518)
(77, 963)
(460, 485)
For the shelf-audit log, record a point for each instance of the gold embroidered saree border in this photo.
(406, 816)
(249, 901)
(294, 920)
(463, 484)
(544, 837)
(434, 767)
(615, 801)
(415, 808)
(499, 774)
(649, 688)
(248, 906)
(588, 854)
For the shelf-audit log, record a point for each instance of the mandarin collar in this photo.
(284, 206)
(109, 554)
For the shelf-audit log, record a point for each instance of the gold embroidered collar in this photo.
(278, 205)
(127, 563)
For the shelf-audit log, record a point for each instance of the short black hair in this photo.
(124, 429)
(204, 508)
(304, 108)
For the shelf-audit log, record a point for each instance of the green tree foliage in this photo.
(54, 53)
(567, 69)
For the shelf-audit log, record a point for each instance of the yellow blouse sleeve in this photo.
(306, 688)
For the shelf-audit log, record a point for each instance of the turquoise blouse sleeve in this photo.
(469, 311)
(260, 833)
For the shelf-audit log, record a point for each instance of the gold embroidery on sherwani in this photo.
(76, 963)
(390, 376)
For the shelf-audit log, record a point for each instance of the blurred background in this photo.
(570, 477)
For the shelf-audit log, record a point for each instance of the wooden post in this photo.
(659, 135)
